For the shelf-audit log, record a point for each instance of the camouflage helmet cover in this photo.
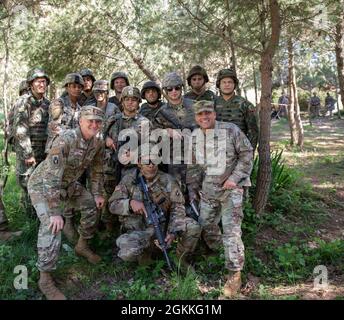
(117, 75)
(150, 85)
(130, 91)
(73, 78)
(23, 86)
(87, 73)
(197, 70)
(172, 79)
(226, 73)
(101, 85)
(35, 73)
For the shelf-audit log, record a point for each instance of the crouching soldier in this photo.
(54, 184)
(220, 184)
(127, 201)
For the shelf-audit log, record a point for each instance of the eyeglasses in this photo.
(177, 88)
(100, 92)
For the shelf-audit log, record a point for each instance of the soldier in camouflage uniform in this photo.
(151, 92)
(118, 81)
(30, 121)
(197, 79)
(101, 94)
(233, 108)
(220, 186)
(86, 96)
(136, 243)
(54, 185)
(176, 115)
(129, 119)
(64, 111)
(314, 106)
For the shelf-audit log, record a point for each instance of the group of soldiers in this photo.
(315, 109)
(71, 157)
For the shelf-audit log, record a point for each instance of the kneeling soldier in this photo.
(55, 182)
(127, 202)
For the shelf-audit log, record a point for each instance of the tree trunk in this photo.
(264, 169)
(295, 123)
(339, 47)
(255, 84)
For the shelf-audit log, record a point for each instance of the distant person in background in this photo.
(314, 105)
(283, 102)
(329, 103)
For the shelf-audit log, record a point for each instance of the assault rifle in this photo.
(154, 217)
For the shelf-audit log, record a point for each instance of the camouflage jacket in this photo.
(118, 103)
(315, 101)
(163, 190)
(68, 158)
(62, 116)
(240, 112)
(118, 122)
(235, 164)
(151, 113)
(177, 117)
(84, 99)
(206, 95)
(30, 124)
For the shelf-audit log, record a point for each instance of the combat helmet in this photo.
(130, 91)
(172, 79)
(117, 75)
(73, 78)
(87, 73)
(225, 73)
(35, 73)
(197, 70)
(150, 85)
(101, 85)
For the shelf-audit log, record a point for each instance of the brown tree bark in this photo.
(291, 92)
(264, 170)
(339, 48)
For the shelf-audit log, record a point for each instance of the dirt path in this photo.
(322, 164)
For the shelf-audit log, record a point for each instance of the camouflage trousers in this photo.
(23, 173)
(48, 244)
(134, 243)
(314, 111)
(3, 218)
(228, 210)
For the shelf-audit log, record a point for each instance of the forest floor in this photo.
(281, 252)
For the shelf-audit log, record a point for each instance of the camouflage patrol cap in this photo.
(35, 73)
(130, 91)
(197, 70)
(23, 87)
(87, 73)
(73, 78)
(101, 85)
(150, 85)
(172, 79)
(92, 112)
(203, 105)
(226, 73)
(117, 75)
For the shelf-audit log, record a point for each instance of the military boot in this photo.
(69, 231)
(82, 249)
(9, 235)
(233, 284)
(47, 286)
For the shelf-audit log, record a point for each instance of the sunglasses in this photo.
(177, 88)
